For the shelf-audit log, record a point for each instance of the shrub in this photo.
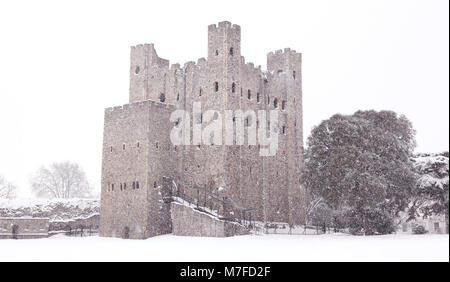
(419, 229)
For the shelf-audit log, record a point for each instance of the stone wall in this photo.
(23, 228)
(186, 221)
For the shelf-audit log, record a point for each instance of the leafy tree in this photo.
(7, 189)
(431, 194)
(61, 180)
(361, 163)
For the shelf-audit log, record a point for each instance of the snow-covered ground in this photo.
(241, 248)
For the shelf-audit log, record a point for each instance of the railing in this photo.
(216, 205)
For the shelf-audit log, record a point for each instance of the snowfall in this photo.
(272, 247)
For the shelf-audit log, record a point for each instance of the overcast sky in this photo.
(63, 62)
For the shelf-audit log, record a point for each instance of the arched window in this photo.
(231, 51)
(275, 103)
(216, 86)
(162, 97)
(137, 70)
(233, 87)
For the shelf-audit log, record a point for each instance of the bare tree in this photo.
(7, 189)
(61, 180)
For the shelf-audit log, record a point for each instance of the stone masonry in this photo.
(138, 152)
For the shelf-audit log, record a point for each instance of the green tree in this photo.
(360, 163)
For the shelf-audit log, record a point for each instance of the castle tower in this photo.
(138, 154)
(148, 74)
(287, 95)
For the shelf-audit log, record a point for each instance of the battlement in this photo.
(224, 25)
(148, 51)
(140, 104)
(282, 52)
(283, 60)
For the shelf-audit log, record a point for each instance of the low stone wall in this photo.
(186, 221)
(90, 223)
(23, 228)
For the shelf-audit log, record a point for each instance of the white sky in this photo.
(63, 62)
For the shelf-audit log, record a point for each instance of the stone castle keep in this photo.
(143, 173)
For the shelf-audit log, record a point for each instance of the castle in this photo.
(142, 170)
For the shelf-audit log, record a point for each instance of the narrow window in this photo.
(200, 92)
(199, 118)
(178, 96)
(157, 145)
(216, 86)
(217, 52)
(133, 185)
(110, 149)
(275, 103)
(293, 74)
(248, 121)
(112, 187)
(249, 94)
(137, 184)
(121, 187)
(123, 147)
(231, 51)
(138, 145)
(233, 87)
(162, 97)
(284, 130)
(257, 97)
(154, 184)
(268, 100)
(124, 186)
(137, 70)
(283, 105)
